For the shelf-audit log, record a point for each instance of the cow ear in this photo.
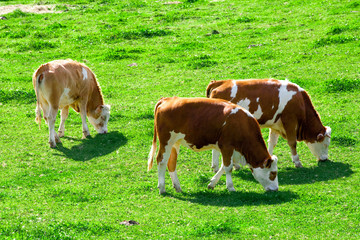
(268, 162)
(320, 137)
(98, 109)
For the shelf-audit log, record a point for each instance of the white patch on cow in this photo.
(320, 149)
(262, 175)
(235, 110)
(85, 74)
(65, 99)
(257, 100)
(175, 181)
(244, 103)
(258, 113)
(284, 97)
(180, 138)
(174, 138)
(100, 123)
(234, 90)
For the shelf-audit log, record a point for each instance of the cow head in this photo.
(320, 147)
(100, 119)
(267, 174)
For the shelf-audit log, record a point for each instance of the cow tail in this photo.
(153, 146)
(38, 110)
(212, 85)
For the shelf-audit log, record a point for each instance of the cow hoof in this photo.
(61, 133)
(231, 189)
(210, 187)
(298, 165)
(178, 189)
(237, 167)
(57, 140)
(87, 136)
(52, 144)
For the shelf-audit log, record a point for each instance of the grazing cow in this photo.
(202, 124)
(63, 83)
(283, 107)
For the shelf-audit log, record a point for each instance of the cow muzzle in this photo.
(268, 189)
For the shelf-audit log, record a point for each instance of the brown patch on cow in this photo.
(273, 176)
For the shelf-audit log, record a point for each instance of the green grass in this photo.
(86, 187)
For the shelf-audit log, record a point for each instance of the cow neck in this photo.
(312, 126)
(254, 156)
(96, 98)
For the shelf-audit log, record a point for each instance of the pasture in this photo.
(142, 50)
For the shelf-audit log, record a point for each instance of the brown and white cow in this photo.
(63, 83)
(202, 124)
(280, 105)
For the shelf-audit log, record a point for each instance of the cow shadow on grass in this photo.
(235, 199)
(92, 147)
(323, 171)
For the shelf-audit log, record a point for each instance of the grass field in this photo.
(85, 188)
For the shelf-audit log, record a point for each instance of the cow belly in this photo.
(278, 127)
(65, 99)
(194, 148)
(179, 138)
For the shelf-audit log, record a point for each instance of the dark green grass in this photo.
(85, 188)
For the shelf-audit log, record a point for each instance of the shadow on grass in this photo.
(236, 199)
(324, 171)
(93, 147)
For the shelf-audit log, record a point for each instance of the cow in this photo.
(61, 84)
(280, 105)
(202, 124)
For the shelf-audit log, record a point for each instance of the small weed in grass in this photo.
(139, 33)
(344, 141)
(334, 40)
(342, 85)
(201, 61)
(20, 96)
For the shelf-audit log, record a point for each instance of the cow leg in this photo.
(214, 180)
(162, 160)
(215, 160)
(64, 115)
(294, 155)
(290, 130)
(83, 119)
(46, 109)
(172, 167)
(237, 162)
(273, 139)
(228, 166)
(53, 137)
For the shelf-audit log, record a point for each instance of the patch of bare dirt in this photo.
(28, 8)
